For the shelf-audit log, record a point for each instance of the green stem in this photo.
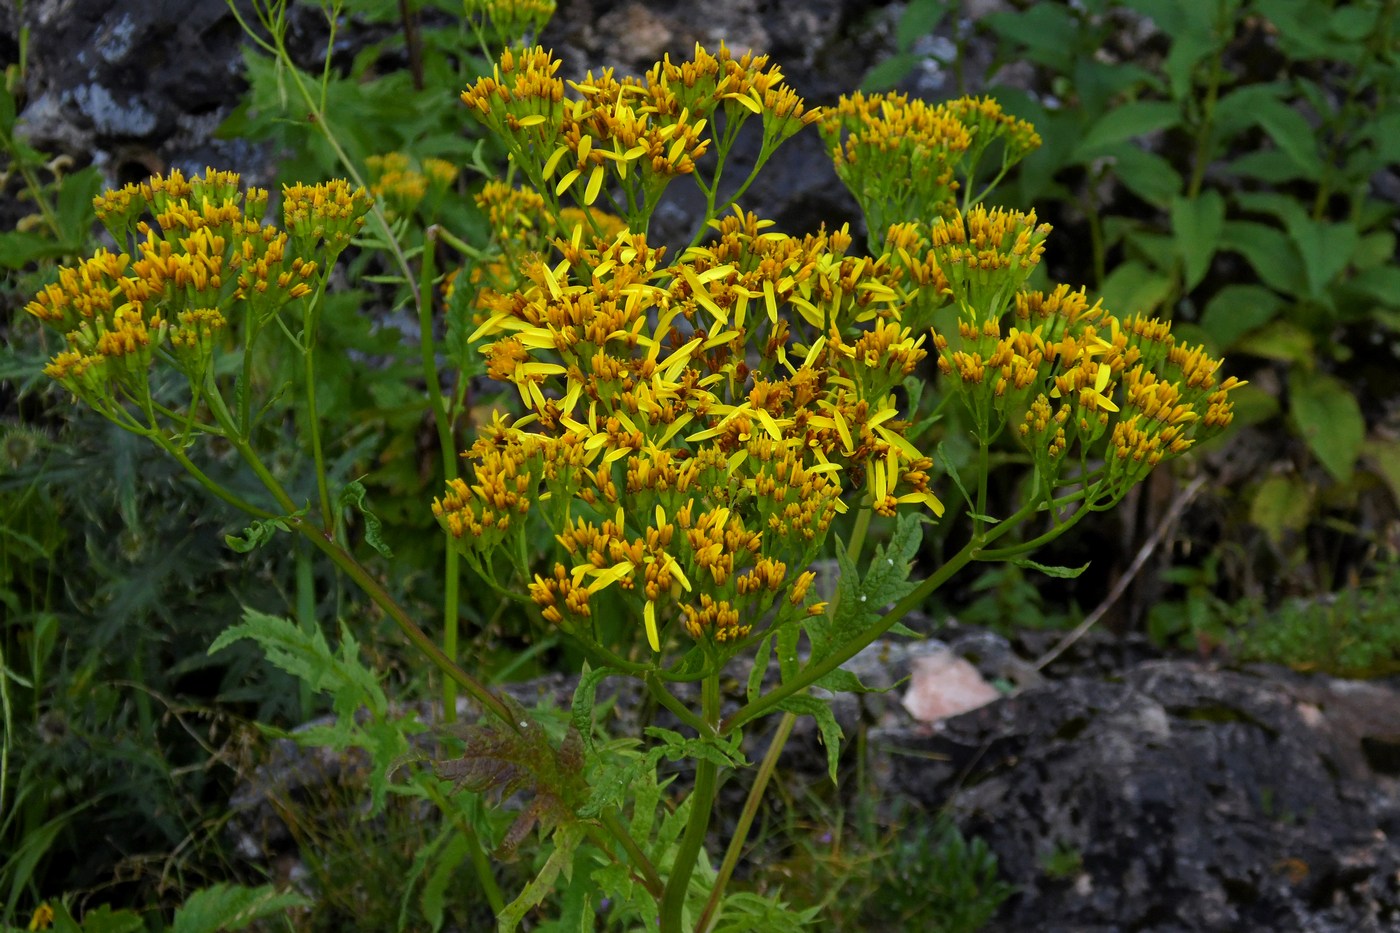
(613, 824)
(481, 861)
(452, 566)
(668, 699)
(306, 615)
(214, 488)
(819, 668)
(710, 915)
(313, 419)
(420, 640)
(1201, 159)
(702, 800)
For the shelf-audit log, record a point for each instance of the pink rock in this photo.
(941, 685)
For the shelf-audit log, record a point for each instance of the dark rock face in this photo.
(133, 86)
(1176, 798)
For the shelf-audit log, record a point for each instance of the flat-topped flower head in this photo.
(194, 260)
(330, 213)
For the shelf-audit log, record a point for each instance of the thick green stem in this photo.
(702, 801)
(710, 915)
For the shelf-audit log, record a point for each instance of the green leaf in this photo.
(1129, 121)
(1134, 288)
(1145, 174)
(304, 654)
(843, 681)
(1269, 251)
(353, 497)
(1352, 23)
(1196, 228)
(1381, 284)
(106, 920)
(232, 907)
(889, 72)
(1281, 504)
(1279, 340)
(1375, 249)
(1236, 310)
(762, 655)
(258, 533)
(1268, 165)
(1329, 419)
(76, 214)
(921, 17)
(1326, 250)
(1048, 31)
(827, 726)
(433, 900)
(1062, 573)
(561, 859)
(1292, 134)
(1383, 455)
(581, 709)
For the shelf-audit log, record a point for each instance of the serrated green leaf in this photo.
(843, 681)
(827, 726)
(353, 497)
(1062, 573)
(106, 920)
(561, 859)
(581, 709)
(232, 907)
(259, 532)
(1329, 419)
(887, 580)
(433, 900)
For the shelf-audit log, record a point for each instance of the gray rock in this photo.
(1175, 798)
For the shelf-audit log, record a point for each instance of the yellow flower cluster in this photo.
(695, 423)
(627, 138)
(396, 182)
(683, 391)
(511, 19)
(172, 289)
(523, 227)
(901, 157)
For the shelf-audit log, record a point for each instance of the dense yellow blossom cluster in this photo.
(203, 259)
(626, 138)
(695, 423)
